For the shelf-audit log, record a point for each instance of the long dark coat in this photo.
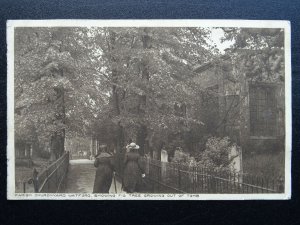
(132, 178)
(104, 173)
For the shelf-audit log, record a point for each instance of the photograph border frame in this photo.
(11, 24)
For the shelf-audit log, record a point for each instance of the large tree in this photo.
(149, 70)
(70, 78)
(54, 85)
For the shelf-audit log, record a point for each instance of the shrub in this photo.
(216, 153)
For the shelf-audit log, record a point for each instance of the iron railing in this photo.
(177, 178)
(50, 180)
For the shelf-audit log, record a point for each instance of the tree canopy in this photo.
(66, 79)
(259, 52)
(125, 81)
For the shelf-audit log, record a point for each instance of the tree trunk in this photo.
(141, 139)
(58, 138)
(142, 132)
(56, 146)
(115, 94)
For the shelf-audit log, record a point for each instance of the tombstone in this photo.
(31, 150)
(164, 155)
(164, 162)
(236, 164)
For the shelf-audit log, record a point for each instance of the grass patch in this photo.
(24, 171)
(269, 165)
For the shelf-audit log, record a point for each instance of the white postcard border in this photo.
(11, 24)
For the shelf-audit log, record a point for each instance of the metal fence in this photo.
(52, 179)
(177, 178)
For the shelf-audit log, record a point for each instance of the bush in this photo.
(216, 153)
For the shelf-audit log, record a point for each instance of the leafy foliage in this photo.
(216, 153)
(259, 52)
(215, 156)
(48, 60)
(149, 70)
(118, 82)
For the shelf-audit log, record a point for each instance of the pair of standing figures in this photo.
(132, 176)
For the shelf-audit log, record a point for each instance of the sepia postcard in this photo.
(149, 109)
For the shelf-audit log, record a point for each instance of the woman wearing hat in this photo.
(133, 170)
(104, 173)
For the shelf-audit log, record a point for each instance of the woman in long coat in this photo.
(104, 173)
(133, 171)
